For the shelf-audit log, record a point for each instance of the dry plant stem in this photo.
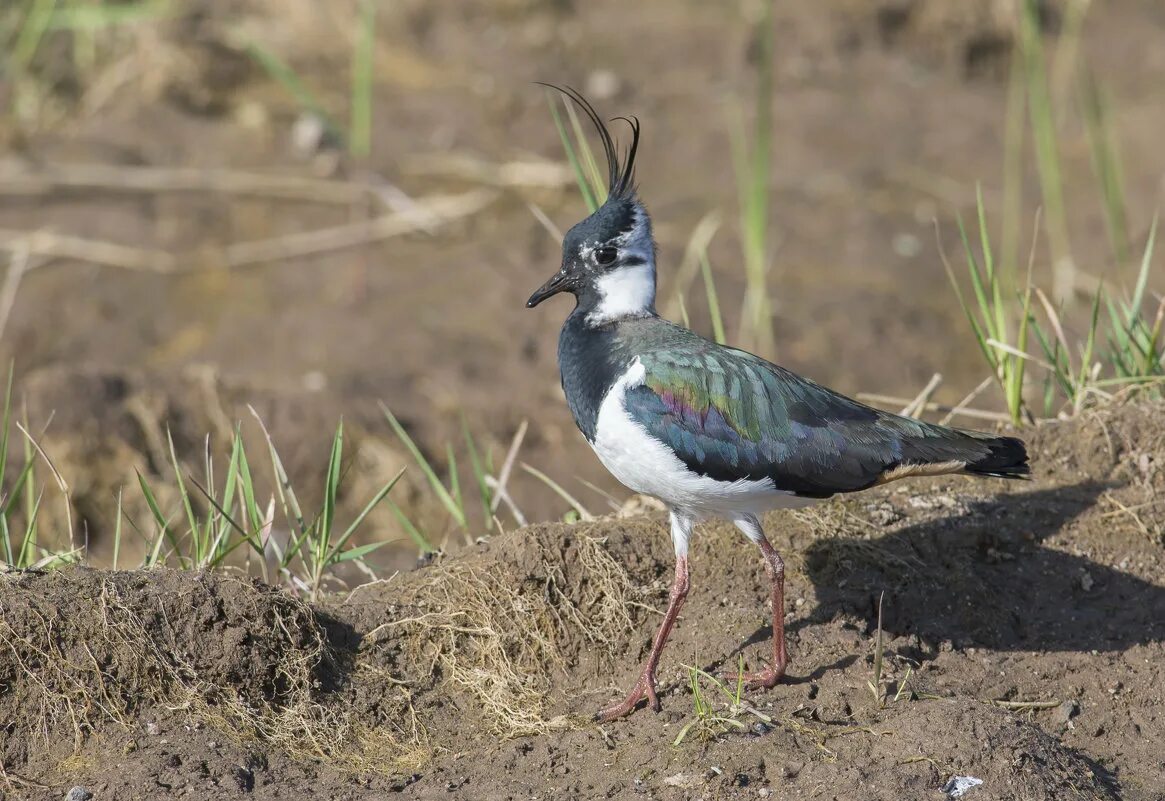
(966, 401)
(646, 684)
(51, 245)
(767, 678)
(914, 408)
(931, 406)
(429, 211)
(18, 263)
(443, 208)
(16, 179)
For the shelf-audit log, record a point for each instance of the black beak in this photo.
(557, 283)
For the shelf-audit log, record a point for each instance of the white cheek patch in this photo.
(625, 292)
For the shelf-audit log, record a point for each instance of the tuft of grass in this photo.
(991, 316)
(1135, 351)
(22, 501)
(214, 521)
(317, 546)
(451, 496)
(707, 721)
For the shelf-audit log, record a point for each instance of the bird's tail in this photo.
(941, 450)
(1006, 458)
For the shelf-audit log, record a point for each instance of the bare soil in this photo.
(475, 676)
(886, 115)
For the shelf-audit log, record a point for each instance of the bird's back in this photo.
(731, 416)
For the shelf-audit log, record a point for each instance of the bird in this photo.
(712, 431)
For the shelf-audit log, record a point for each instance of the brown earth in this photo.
(886, 114)
(474, 677)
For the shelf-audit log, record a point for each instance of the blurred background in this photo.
(318, 208)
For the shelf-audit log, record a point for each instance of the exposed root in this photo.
(496, 637)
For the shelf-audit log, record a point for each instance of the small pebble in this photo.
(78, 793)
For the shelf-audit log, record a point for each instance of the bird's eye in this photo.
(606, 256)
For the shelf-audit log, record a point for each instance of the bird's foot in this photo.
(645, 687)
(761, 679)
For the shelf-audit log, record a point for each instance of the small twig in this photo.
(501, 495)
(548, 174)
(508, 465)
(349, 235)
(95, 251)
(965, 402)
(18, 263)
(1003, 704)
(547, 223)
(428, 212)
(560, 491)
(931, 406)
(913, 408)
(17, 179)
(62, 485)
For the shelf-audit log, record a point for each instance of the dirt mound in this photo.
(1022, 643)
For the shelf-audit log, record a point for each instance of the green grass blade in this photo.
(6, 424)
(117, 531)
(360, 127)
(32, 31)
(1143, 273)
(713, 299)
(479, 474)
(282, 73)
(368, 507)
(455, 480)
(439, 489)
(184, 494)
(78, 17)
(165, 534)
(358, 552)
(28, 541)
(287, 498)
(415, 534)
(572, 158)
(586, 156)
(331, 487)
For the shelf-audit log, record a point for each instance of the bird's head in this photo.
(608, 259)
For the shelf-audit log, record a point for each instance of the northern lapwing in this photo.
(712, 431)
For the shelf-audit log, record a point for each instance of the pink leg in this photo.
(775, 568)
(646, 684)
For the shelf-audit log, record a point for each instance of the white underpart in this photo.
(625, 292)
(647, 466)
(681, 531)
(750, 527)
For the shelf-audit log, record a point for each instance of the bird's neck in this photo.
(626, 293)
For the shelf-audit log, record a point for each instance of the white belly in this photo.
(647, 466)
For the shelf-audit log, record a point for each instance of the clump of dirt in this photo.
(1021, 630)
(88, 649)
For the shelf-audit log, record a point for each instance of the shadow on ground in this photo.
(986, 578)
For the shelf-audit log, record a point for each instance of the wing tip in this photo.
(1007, 458)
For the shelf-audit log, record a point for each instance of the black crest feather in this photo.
(620, 172)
